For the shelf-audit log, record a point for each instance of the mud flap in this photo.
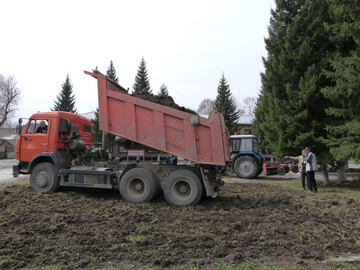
(212, 187)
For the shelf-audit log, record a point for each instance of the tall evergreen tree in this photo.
(344, 90)
(142, 84)
(65, 99)
(225, 104)
(163, 91)
(290, 112)
(96, 132)
(111, 73)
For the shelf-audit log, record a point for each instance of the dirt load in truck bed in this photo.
(254, 224)
(166, 101)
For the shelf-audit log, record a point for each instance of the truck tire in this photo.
(183, 187)
(139, 185)
(44, 179)
(246, 167)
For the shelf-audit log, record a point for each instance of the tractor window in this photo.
(235, 145)
(255, 146)
(246, 145)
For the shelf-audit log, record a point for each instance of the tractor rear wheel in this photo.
(246, 167)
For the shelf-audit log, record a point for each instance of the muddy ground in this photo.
(257, 225)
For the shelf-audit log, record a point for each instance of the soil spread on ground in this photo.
(89, 228)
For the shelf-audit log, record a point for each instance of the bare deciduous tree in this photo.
(206, 106)
(9, 97)
(249, 104)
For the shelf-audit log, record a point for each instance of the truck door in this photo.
(34, 139)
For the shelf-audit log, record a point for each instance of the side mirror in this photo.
(19, 127)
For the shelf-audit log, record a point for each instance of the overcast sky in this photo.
(187, 45)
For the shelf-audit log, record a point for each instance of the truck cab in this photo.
(46, 138)
(247, 161)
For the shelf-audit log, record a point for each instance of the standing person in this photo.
(311, 167)
(169, 160)
(301, 164)
(174, 160)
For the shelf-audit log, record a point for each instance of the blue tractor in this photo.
(246, 160)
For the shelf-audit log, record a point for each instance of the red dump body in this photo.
(201, 140)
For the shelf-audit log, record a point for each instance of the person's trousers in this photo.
(311, 180)
(303, 175)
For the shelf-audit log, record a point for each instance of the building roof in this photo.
(5, 132)
(9, 135)
(246, 120)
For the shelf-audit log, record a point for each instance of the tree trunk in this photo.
(325, 174)
(341, 175)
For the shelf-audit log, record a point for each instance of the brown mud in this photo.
(166, 101)
(263, 223)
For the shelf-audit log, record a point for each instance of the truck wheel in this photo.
(44, 179)
(139, 185)
(246, 167)
(183, 187)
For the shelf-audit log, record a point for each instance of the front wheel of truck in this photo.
(183, 188)
(43, 178)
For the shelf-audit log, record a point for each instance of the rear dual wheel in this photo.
(183, 187)
(139, 185)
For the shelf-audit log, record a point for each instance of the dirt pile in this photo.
(166, 101)
(96, 229)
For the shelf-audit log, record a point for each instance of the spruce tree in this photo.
(344, 90)
(111, 73)
(163, 91)
(96, 132)
(65, 99)
(290, 111)
(225, 104)
(142, 84)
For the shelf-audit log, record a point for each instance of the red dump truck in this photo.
(61, 154)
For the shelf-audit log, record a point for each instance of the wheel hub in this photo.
(137, 186)
(246, 167)
(42, 178)
(183, 189)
